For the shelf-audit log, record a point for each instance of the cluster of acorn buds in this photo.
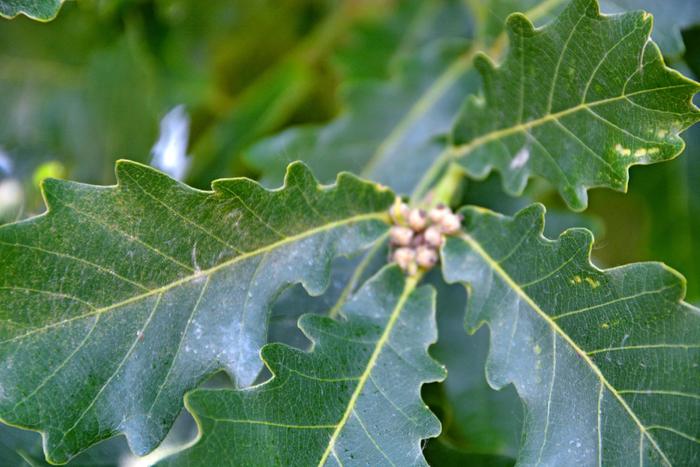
(417, 235)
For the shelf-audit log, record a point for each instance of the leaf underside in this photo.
(577, 102)
(42, 10)
(120, 299)
(354, 399)
(606, 361)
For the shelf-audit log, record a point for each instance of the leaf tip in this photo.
(517, 24)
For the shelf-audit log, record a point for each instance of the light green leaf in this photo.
(606, 361)
(122, 298)
(576, 102)
(42, 10)
(353, 399)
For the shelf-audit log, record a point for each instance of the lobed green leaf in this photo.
(42, 10)
(606, 361)
(577, 102)
(120, 299)
(354, 399)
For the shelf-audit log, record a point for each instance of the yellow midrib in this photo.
(476, 246)
(409, 286)
(206, 272)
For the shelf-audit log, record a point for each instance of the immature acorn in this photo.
(426, 257)
(438, 213)
(401, 235)
(404, 257)
(399, 212)
(451, 223)
(433, 236)
(417, 219)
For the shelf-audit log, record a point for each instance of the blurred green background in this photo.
(95, 85)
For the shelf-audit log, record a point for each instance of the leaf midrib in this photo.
(381, 216)
(461, 150)
(476, 246)
(409, 286)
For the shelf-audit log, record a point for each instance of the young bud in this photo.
(438, 213)
(399, 212)
(451, 224)
(417, 219)
(426, 257)
(404, 257)
(433, 236)
(401, 235)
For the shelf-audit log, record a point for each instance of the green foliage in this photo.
(605, 360)
(150, 311)
(272, 314)
(395, 122)
(576, 102)
(42, 10)
(339, 403)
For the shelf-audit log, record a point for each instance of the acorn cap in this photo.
(451, 224)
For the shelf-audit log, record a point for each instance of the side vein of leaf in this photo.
(602, 60)
(612, 302)
(555, 327)
(76, 259)
(212, 270)
(48, 292)
(181, 216)
(179, 345)
(559, 60)
(645, 346)
(268, 423)
(676, 432)
(114, 373)
(58, 368)
(371, 438)
(549, 396)
(657, 392)
(114, 228)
